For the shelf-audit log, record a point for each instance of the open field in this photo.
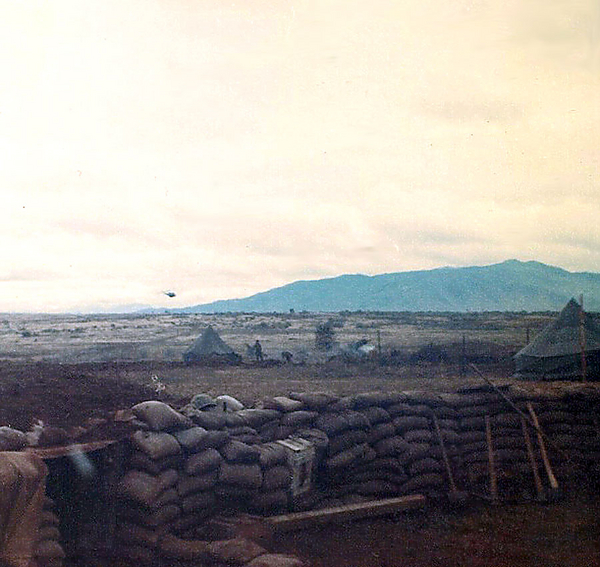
(65, 369)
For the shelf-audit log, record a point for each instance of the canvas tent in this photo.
(556, 352)
(209, 346)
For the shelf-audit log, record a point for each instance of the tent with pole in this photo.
(210, 347)
(568, 348)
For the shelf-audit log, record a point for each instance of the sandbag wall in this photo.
(186, 466)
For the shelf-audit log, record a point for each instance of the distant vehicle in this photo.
(170, 293)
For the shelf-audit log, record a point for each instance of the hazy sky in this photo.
(223, 148)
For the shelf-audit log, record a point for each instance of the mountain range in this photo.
(512, 285)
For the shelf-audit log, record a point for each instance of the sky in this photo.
(219, 149)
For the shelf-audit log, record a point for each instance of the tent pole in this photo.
(582, 339)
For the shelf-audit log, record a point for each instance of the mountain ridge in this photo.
(512, 285)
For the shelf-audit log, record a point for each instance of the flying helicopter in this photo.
(169, 293)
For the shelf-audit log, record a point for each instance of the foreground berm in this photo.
(188, 486)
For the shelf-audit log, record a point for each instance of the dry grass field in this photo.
(65, 368)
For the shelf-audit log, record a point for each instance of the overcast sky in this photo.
(224, 148)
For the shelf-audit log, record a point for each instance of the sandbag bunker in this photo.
(176, 490)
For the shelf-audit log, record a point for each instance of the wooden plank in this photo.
(491, 463)
(531, 455)
(349, 512)
(545, 460)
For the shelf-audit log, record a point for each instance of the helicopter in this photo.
(169, 293)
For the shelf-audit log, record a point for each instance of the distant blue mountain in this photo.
(508, 286)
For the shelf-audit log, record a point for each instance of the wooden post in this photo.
(551, 478)
(492, 465)
(582, 340)
(531, 455)
(463, 356)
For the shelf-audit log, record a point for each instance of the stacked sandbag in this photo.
(198, 477)
(586, 428)
(264, 421)
(48, 550)
(293, 415)
(148, 501)
(416, 445)
(507, 437)
(240, 475)
(348, 449)
(12, 439)
(273, 495)
(382, 475)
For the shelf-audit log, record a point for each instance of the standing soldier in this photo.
(258, 351)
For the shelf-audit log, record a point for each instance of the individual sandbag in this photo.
(418, 436)
(12, 439)
(270, 502)
(380, 431)
(276, 477)
(202, 462)
(422, 482)
(314, 401)
(48, 532)
(350, 457)
(473, 411)
(49, 552)
(241, 475)
(472, 423)
(237, 551)
(256, 418)
(299, 418)
(384, 399)
(144, 516)
(396, 477)
(192, 439)
(283, 404)
(408, 422)
(157, 445)
(140, 487)
(406, 409)
(276, 560)
(418, 451)
(271, 454)
(356, 420)
(375, 487)
(209, 419)
(241, 432)
(131, 533)
(237, 452)
(506, 420)
(445, 423)
(173, 547)
(198, 501)
(375, 415)
(188, 484)
(391, 446)
(160, 416)
(426, 465)
(445, 412)
(472, 436)
(331, 423)
(345, 440)
(141, 461)
(449, 437)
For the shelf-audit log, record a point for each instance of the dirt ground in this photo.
(562, 534)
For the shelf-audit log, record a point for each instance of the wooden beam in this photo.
(349, 512)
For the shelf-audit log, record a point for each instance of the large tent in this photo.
(209, 346)
(556, 352)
